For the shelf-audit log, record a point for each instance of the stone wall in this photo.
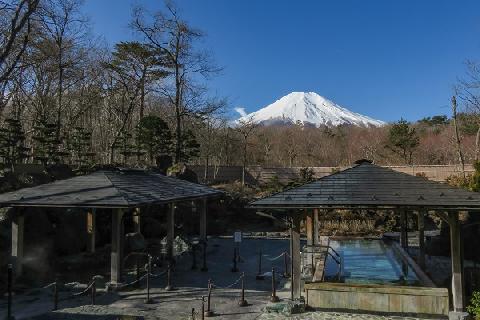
(377, 298)
(262, 175)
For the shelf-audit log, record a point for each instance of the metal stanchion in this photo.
(148, 300)
(55, 296)
(93, 291)
(243, 302)
(203, 308)
(234, 268)
(9, 291)
(259, 275)
(285, 261)
(274, 297)
(209, 312)
(169, 286)
(204, 267)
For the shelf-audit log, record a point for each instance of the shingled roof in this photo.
(109, 189)
(368, 185)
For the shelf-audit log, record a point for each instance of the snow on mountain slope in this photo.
(309, 108)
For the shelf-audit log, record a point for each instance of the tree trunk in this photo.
(457, 136)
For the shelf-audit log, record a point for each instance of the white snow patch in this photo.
(308, 108)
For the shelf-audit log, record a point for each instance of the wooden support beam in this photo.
(137, 222)
(421, 238)
(203, 219)
(458, 289)
(117, 247)
(403, 229)
(170, 230)
(309, 227)
(295, 257)
(91, 230)
(18, 230)
(316, 232)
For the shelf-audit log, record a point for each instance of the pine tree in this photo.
(154, 137)
(80, 148)
(12, 142)
(48, 149)
(403, 140)
(190, 148)
(125, 146)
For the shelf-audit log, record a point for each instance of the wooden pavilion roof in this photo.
(370, 186)
(109, 189)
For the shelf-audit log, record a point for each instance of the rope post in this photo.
(55, 296)
(194, 257)
(285, 261)
(209, 313)
(260, 276)
(93, 291)
(204, 267)
(9, 290)
(234, 269)
(274, 297)
(148, 300)
(203, 308)
(243, 302)
(169, 286)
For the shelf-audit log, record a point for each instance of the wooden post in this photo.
(137, 221)
(203, 220)
(170, 230)
(91, 230)
(458, 293)
(421, 238)
(316, 233)
(403, 229)
(18, 228)
(309, 227)
(117, 247)
(295, 256)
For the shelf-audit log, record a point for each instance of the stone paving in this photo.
(191, 286)
(331, 316)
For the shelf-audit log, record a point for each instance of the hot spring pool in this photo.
(370, 261)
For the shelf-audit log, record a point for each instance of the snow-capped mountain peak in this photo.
(309, 108)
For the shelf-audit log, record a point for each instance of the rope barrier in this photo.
(229, 286)
(276, 258)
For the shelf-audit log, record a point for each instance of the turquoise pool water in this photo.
(370, 261)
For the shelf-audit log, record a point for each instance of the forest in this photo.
(67, 97)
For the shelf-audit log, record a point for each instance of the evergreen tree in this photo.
(190, 148)
(12, 142)
(125, 146)
(47, 146)
(403, 140)
(80, 147)
(154, 137)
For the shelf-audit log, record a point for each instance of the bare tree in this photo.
(15, 30)
(457, 135)
(245, 127)
(173, 36)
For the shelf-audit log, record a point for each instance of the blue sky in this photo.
(385, 59)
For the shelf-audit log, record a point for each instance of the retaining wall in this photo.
(377, 298)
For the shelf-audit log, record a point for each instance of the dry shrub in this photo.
(347, 227)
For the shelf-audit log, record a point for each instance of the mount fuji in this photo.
(308, 108)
